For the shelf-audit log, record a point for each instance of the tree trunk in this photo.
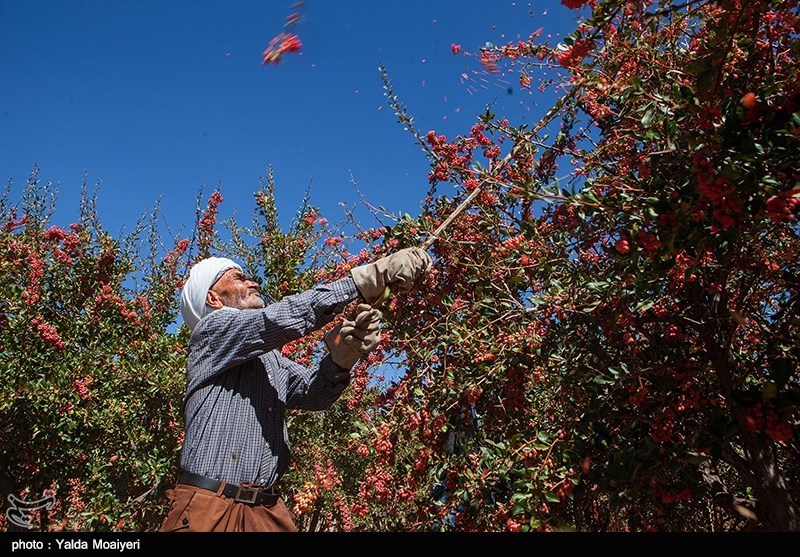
(776, 509)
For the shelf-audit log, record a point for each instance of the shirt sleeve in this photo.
(228, 337)
(314, 388)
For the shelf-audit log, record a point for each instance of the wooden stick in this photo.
(464, 204)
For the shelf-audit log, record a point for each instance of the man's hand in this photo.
(354, 337)
(398, 270)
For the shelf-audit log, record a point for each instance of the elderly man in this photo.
(238, 384)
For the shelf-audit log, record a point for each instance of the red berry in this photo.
(749, 100)
(622, 246)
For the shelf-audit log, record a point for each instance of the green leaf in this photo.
(496, 445)
(648, 117)
(769, 391)
(635, 82)
(592, 306)
(518, 509)
(544, 437)
(551, 497)
(517, 497)
(598, 285)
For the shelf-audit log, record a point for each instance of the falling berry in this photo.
(280, 45)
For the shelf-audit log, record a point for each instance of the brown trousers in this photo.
(198, 510)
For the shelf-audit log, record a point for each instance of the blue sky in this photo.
(163, 97)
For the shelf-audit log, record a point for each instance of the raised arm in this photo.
(315, 388)
(227, 337)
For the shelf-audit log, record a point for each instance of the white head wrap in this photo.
(202, 277)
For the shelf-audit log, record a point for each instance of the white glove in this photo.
(354, 337)
(397, 270)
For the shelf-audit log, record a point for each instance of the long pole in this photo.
(464, 204)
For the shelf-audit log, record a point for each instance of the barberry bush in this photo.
(91, 381)
(609, 340)
(93, 362)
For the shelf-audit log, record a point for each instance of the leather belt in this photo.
(243, 493)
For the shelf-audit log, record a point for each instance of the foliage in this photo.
(90, 380)
(617, 348)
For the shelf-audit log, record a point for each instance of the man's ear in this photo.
(213, 300)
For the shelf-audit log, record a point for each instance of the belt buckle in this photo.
(246, 494)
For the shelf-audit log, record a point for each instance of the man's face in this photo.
(235, 289)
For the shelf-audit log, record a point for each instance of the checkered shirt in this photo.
(238, 384)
